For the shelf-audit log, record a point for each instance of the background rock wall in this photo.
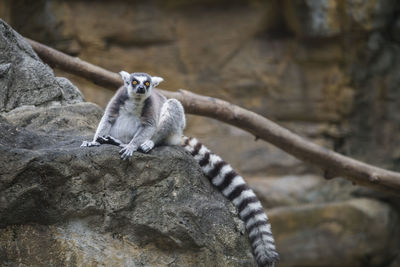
(325, 69)
(328, 70)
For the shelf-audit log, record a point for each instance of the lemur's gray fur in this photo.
(139, 117)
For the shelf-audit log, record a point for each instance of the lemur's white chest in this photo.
(128, 121)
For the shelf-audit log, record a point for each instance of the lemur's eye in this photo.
(134, 82)
(147, 84)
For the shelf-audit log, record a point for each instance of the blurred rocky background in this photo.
(328, 70)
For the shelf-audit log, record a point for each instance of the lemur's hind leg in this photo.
(170, 126)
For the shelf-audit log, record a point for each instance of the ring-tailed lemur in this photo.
(139, 117)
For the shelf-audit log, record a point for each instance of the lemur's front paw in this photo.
(147, 146)
(102, 140)
(127, 151)
(89, 144)
(108, 139)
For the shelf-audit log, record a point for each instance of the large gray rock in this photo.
(62, 205)
(24, 79)
(158, 205)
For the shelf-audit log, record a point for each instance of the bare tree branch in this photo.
(334, 164)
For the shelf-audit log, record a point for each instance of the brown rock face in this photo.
(295, 61)
(289, 60)
(358, 232)
(240, 51)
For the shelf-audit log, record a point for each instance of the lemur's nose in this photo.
(140, 89)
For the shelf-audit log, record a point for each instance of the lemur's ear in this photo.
(125, 76)
(156, 80)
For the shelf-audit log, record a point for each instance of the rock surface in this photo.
(357, 232)
(294, 190)
(330, 18)
(92, 208)
(62, 205)
(24, 79)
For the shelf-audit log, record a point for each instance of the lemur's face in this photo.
(139, 83)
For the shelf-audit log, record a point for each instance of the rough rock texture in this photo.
(62, 205)
(374, 125)
(24, 79)
(330, 18)
(365, 233)
(291, 190)
(90, 207)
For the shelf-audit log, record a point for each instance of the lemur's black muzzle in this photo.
(140, 89)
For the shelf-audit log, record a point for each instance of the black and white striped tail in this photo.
(236, 190)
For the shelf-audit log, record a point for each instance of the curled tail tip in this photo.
(265, 253)
(268, 261)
